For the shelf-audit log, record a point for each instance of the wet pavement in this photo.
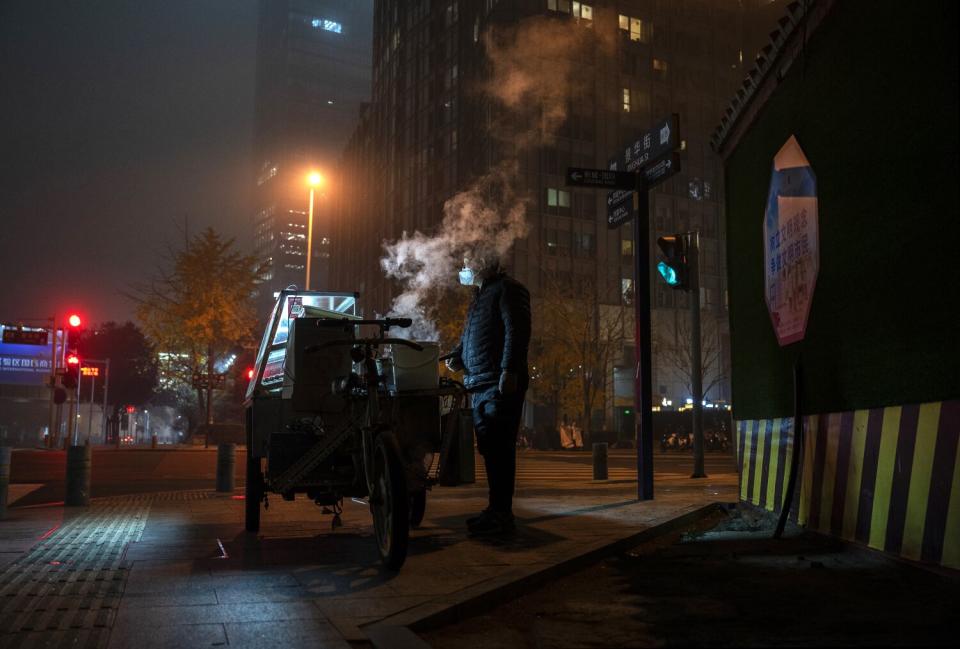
(177, 570)
(728, 584)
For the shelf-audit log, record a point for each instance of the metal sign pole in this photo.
(53, 381)
(642, 378)
(103, 413)
(696, 364)
(93, 386)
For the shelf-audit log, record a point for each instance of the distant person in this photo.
(492, 354)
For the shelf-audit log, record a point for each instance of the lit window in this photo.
(552, 5)
(626, 247)
(660, 65)
(581, 10)
(626, 290)
(636, 29)
(564, 198)
(624, 22)
(551, 197)
(626, 100)
(327, 25)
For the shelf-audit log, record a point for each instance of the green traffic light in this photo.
(668, 273)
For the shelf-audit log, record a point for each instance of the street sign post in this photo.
(652, 154)
(647, 161)
(654, 143)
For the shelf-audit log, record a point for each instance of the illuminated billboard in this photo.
(25, 363)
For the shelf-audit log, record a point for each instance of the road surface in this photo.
(145, 470)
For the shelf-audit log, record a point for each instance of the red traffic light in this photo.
(131, 410)
(74, 320)
(73, 359)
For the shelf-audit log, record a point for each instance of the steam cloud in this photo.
(532, 78)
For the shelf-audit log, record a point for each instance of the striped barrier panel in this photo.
(884, 477)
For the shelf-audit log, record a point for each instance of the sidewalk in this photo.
(177, 570)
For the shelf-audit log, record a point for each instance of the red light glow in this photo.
(131, 410)
(250, 374)
(74, 320)
(73, 359)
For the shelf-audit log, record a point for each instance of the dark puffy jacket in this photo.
(496, 335)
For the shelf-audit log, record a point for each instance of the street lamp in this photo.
(314, 180)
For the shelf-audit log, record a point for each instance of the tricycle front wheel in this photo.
(389, 502)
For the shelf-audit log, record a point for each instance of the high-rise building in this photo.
(313, 74)
(431, 131)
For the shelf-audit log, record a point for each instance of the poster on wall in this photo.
(791, 254)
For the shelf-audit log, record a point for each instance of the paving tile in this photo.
(182, 598)
(179, 636)
(318, 634)
(343, 607)
(246, 595)
(219, 613)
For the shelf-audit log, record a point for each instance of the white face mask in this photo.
(466, 276)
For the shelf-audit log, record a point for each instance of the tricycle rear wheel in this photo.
(390, 503)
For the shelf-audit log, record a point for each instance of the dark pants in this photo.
(496, 421)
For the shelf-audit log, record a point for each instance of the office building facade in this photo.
(429, 133)
(313, 74)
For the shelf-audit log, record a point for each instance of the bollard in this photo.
(4, 479)
(600, 461)
(78, 476)
(226, 461)
(153, 441)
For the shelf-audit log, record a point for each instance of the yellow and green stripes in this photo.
(886, 477)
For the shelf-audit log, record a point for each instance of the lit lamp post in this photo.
(314, 180)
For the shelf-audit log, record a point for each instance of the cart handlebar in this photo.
(365, 341)
(384, 323)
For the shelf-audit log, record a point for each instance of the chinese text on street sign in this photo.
(652, 152)
(791, 258)
(602, 178)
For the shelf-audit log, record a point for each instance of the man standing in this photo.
(493, 357)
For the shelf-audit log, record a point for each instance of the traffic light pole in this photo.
(103, 411)
(696, 365)
(53, 382)
(643, 376)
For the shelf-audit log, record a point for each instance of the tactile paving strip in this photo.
(65, 591)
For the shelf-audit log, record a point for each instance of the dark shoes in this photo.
(491, 523)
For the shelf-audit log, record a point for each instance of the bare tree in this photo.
(581, 337)
(675, 351)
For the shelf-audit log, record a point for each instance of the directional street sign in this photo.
(650, 151)
(620, 214)
(620, 207)
(657, 173)
(654, 143)
(603, 178)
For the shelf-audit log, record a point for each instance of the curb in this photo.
(397, 631)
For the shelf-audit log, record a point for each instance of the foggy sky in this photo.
(118, 118)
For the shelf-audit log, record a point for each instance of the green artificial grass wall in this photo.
(873, 104)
